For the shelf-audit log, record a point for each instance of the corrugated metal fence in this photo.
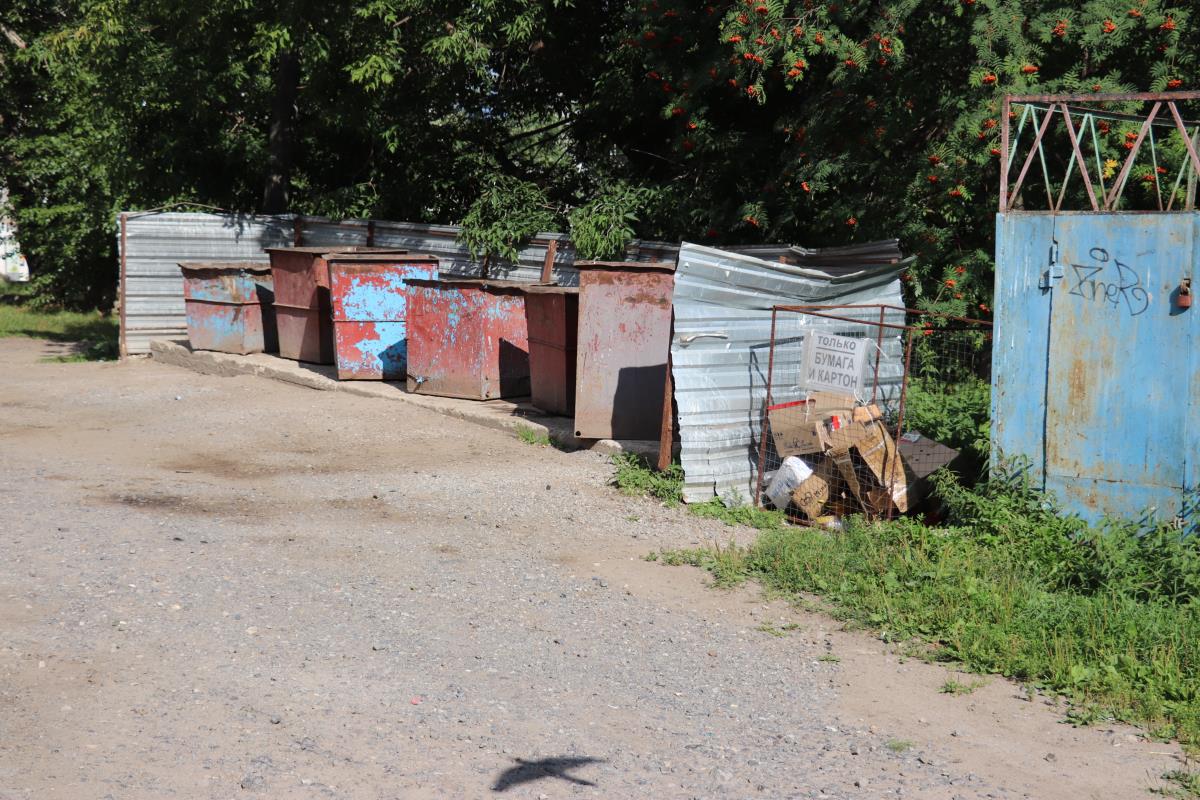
(152, 243)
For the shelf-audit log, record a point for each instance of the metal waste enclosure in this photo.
(721, 342)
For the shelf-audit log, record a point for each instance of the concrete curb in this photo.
(499, 414)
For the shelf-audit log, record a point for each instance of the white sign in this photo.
(833, 363)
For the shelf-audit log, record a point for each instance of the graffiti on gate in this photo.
(1109, 281)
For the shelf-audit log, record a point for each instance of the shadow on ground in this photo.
(529, 771)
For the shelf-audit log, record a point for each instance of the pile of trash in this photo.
(836, 456)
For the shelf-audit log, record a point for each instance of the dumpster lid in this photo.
(630, 266)
(549, 288)
(329, 249)
(225, 266)
(355, 261)
(478, 283)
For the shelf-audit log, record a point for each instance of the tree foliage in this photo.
(726, 122)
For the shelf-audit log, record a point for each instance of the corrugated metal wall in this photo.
(152, 296)
(722, 342)
(155, 242)
(1094, 365)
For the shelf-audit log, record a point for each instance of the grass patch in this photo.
(1180, 784)
(829, 658)
(959, 688)
(1106, 615)
(634, 476)
(780, 632)
(95, 336)
(529, 435)
(899, 745)
(740, 514)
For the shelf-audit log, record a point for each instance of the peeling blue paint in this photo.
(1094, 374)
(369, 311)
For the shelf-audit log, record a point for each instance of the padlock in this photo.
(1184, 298)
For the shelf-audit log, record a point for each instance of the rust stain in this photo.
(648, 298)
(1077, 379)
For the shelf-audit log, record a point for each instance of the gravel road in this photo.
(230, 587)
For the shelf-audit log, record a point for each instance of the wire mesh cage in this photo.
(864, 404)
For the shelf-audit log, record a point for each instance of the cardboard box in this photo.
(879, 455)
(812, 494)
(798, 438)
(921, 457)
(867, 413)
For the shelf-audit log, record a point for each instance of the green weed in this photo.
(958, 688)
(899, 745)
(529, 435)
(740, 514)
(829, 658)
(1182, 784)
(780, 632)
(634, 476)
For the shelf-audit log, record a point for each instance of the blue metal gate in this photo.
(1096, 375)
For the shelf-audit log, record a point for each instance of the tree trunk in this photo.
(282, 134)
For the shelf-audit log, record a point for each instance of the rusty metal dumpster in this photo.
(228, 306)
(624, 340)
(552, 313)
(368, 298)
(302, 302)
(467, 338)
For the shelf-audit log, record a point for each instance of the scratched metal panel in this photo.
(1022, 318)
(553, 321)
(467, 340)
(621, 358)
(720, 383)
(1094, 376)
(370, 338)
(1116, 401)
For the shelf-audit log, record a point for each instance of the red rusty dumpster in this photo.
(624, 340)
(467, 338)
(368, 297)
(552, 314)
(228, 306)
(302, 304)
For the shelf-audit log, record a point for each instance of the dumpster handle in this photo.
(684, 341)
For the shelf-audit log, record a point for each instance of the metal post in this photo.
(878, 355)
(548, 264)
(1004, 145)
(762, 439)
(123, 348)
(666, 435)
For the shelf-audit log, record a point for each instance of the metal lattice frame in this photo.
(1088, 107)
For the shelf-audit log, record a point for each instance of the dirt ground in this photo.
(232, 587)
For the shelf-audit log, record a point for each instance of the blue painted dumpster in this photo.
(1096, 379)
(370, 338)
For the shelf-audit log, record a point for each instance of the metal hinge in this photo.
(1052, 273)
